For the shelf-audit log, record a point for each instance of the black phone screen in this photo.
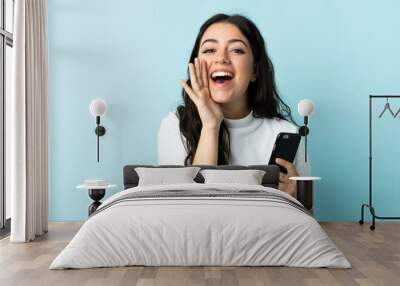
(285, 147)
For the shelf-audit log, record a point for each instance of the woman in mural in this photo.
(231, 111)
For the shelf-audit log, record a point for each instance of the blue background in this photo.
(132, 54)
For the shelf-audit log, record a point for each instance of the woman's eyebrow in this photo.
(230, 41)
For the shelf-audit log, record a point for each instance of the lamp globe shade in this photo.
(97, 107)
(305, 107)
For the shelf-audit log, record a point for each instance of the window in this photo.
(6, 61)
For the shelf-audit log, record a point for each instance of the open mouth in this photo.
(221, 76)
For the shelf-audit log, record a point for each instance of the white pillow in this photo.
(163, 176)
(249, 177)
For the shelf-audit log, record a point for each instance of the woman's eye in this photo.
(238, 51)
(208, 51)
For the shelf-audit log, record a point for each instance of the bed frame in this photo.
(270, 179)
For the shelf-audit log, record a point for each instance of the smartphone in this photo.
(285, 147)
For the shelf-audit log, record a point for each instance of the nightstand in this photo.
(96, 193)
(305, 189)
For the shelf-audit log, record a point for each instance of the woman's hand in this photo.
(210, 112)
(285, 184)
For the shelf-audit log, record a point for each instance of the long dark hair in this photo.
(262, 95)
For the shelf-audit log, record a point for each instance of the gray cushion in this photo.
(248, 177)
(164, 176)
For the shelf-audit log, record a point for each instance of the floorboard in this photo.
(374, 255)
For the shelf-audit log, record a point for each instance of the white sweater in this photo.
(252, 140)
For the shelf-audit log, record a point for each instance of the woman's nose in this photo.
(223, 61)
(222, 58)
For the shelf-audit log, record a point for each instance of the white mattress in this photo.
(185, 231)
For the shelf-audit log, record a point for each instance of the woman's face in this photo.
(230, 62)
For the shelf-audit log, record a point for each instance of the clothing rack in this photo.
(370, 205)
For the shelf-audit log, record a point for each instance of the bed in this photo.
(201, 224)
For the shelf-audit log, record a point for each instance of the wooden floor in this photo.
(374, 255)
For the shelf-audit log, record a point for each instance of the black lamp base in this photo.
(100, 130)
(303, 130)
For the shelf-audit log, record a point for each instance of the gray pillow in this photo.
(163, 176)
(248, 177)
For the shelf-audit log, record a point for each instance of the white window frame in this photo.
(6, 39)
